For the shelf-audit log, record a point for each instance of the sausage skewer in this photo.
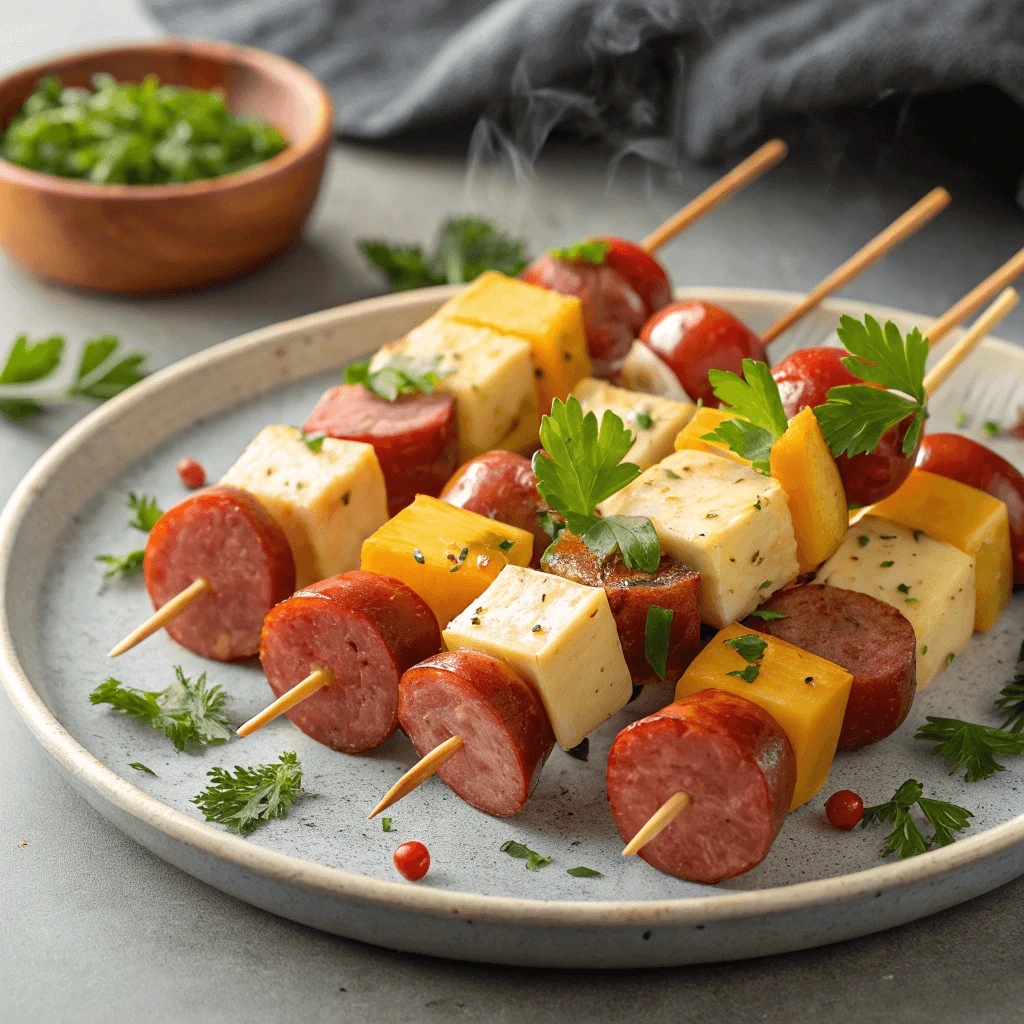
(693, 336)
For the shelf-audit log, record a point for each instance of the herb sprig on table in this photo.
(580, 466)
(144, 514)
(250, 797)
(99, 375)
(466, 248)
(906, 839)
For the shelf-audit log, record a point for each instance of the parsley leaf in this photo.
(126, 566)
(534, 860)
(749, 647)
(855, 416)
(466, 248)
(251, 796)
(971, 746)
(314, 442)
(581, 468)
(748, 673)
(768, 614)
(1011, 698)
(191, 715)
(145, 511)
(582, 872)
(589, 251)
(656, 637)
(754, 398)
(385, 824)
(96, 377)
(399, 376)
(906, 839)
(140, 767)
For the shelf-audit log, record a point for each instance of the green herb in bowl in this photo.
(134, 133)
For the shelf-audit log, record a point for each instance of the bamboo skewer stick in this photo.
(658, 822)
(758, 163)
(419, 773)
(162, 616)
(977, 331)
(898, 231)
(976, 298)
(313, 683)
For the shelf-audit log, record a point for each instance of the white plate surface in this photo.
(326, 865)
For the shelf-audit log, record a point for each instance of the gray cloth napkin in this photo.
(662, 77)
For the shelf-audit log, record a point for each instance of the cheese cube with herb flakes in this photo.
(552, 323)
(327, 501)
(969, 519)
(654, 421)
(560, 636)
(805, 694)
(490, 374)
(929, 581)
(448, 555)
(728, 522)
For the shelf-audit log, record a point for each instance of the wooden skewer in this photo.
(899, 230)
(978, 330)
(314, 682)
(658, 822)
(760, 161)
(976, 298)
(419, 772)
(163, 615)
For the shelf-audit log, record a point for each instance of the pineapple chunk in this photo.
(654, 421)
(327, 502)
(802, 463)
(552, 323)
(970, 520)
(573, 659)
(929, 581)
(447, 555)
(805, 694)
(705, 421)
(490, 375)
(726, 521)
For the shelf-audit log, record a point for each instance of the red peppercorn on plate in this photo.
(149, 739)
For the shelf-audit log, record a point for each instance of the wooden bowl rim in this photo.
(221, 52)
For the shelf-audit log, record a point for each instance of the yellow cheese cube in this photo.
(327, 502)
(552, 323)
(728, 522)
(559, 635)
(447, 555)
(704, 422)
(654, 421)
(802, 463)
(970, 520)
(805, 694)
(929, 581)
(490, 375)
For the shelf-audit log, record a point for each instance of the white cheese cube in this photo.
(654, 421)
(327, 502)
(490, 375)
(725, 520)
(929, 581)
(560, 636)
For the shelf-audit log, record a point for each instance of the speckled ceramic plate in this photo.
(326, 865)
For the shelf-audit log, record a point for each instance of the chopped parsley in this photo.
(314, 442)
(534, 861)
(507, 545)
(960, 419)
(991, 428)
(385, 824)
(590, 251)
(863, 540)
(398, 376)
(751, 648)
(902, 587)
(644, 421)
(768, 614)
(140, 767)
(582, 872)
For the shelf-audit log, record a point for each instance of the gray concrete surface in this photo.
(96, 929)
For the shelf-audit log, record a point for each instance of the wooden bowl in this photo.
(160, 238)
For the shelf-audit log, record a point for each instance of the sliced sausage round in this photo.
(505, 731)
(631, 594)
(736, 764)
(225, 536)
(501, 485)
(416, 437)
(869, 638)
(366, 630)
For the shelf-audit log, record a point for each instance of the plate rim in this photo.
(286, 869)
